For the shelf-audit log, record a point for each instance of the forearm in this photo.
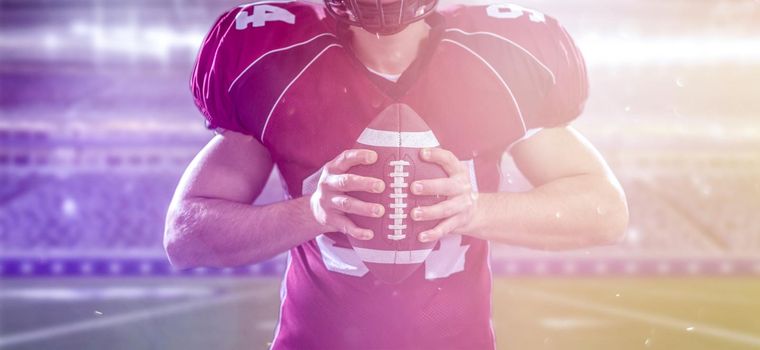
(571, 212)
(220, 233)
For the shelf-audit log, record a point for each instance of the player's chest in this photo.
(332, 102)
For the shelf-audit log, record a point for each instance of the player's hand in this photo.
(458, 209)
(330, 203)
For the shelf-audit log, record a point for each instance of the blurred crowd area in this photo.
(97, 124)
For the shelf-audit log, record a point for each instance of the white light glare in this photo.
(157, 41)
(611, 50)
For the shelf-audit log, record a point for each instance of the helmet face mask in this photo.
(378, 16)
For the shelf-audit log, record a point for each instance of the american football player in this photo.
(293, 84)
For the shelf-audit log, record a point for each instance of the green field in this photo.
(664, 313)
(529, 313)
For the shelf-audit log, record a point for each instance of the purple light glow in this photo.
(96, 128)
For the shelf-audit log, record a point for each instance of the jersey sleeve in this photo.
(208, 82)
(247, 59)
(534, 55)
(565, 98)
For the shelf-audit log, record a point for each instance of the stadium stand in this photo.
(101, 209)
(95, 133)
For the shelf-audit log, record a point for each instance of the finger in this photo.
(350, 158)
(345, 225)
(447, 160)
(447, 186)
(352, 205)
(443, 228)
(351, 182)
(442, 210)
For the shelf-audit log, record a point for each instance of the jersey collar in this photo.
(412, 73)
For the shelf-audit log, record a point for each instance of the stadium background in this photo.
(97, 124)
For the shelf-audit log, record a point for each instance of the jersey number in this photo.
(443, 262)
(261, 15)
(510, 11)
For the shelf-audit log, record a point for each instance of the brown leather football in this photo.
(397, 134)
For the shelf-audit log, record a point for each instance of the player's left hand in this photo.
(458, 210)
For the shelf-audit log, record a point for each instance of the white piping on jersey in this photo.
(273, 51)
(506, 86)
(377, 256)
(528, 134)
(554, 79)
(283, 297)
(392, 77)
(490, 290)
(266, 2)
(406, 139)
(266, 123)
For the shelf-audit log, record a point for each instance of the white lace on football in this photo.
(398, 195)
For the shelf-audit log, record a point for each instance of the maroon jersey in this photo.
(487, 77)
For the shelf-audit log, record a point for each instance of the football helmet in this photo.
(378, 16)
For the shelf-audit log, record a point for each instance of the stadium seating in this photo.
(115, 213)
(95, 133)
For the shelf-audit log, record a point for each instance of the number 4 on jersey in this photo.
(510, 11)
(261, 15)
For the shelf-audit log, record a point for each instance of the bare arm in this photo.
(211, 222)
(576, 201)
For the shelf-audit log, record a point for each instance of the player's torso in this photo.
(309, 98)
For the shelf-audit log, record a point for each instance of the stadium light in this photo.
(153, 41)
(604, 50)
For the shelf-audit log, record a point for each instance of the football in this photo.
(397, 134)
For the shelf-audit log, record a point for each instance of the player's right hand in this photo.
(330, 203)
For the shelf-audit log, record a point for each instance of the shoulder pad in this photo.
(530, 44)
(241, 37)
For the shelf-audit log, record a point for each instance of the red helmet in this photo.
(380, 18)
